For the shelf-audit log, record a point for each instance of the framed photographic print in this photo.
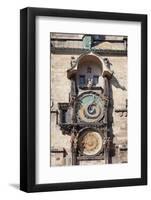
(83, 99)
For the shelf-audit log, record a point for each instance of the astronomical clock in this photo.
(90, 107)
(85, 118)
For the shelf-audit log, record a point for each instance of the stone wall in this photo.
(60, 89)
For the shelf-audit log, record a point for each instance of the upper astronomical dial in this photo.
(90, 108)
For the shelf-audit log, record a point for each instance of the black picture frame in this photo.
(28, 99)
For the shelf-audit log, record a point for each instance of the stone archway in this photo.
(90, 58)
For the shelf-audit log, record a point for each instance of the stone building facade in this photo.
(88, 99)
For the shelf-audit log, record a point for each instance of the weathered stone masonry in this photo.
(88, 99)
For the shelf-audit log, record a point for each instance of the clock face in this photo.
(90, 143)
(90, 108)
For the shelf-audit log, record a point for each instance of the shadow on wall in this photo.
(15, 185)
(116, 83)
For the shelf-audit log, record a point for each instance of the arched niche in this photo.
(89, 72)
(89, 60)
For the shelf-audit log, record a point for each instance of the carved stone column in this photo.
(74, 140)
